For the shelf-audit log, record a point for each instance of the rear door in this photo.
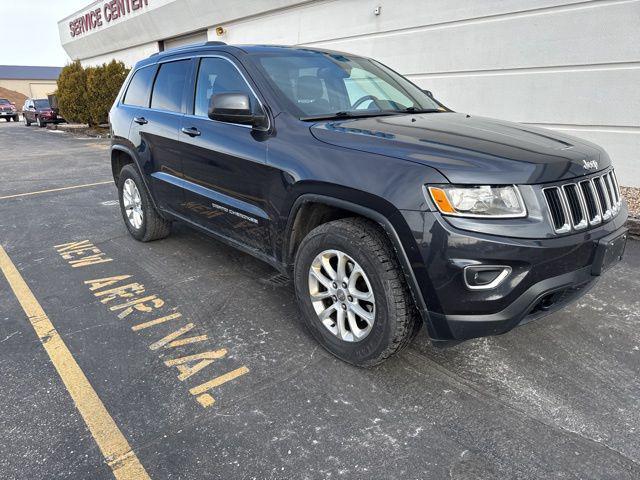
(155, 128)
(225, 171)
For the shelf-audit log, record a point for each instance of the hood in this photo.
(469, 149)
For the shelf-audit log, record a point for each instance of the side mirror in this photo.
(31, 107)
(428, 93)
(235, 107)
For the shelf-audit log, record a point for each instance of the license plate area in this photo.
(609, 252)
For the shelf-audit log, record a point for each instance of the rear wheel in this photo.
(352, 292)
(139, 214)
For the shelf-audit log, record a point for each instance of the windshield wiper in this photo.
(344, 114)
(420, 110)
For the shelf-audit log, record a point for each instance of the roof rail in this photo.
(189, 46)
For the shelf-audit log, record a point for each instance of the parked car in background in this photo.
(8, 110)
(39, 110)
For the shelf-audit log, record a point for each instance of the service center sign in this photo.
(109, 12)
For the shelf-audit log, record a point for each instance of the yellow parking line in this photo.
(55, 190)
(114, 446)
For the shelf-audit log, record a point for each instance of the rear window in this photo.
(139, 88)
(169, 86)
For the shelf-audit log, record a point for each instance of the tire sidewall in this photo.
(381, 334)
(129, 172)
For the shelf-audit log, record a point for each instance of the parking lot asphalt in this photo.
(215, 377)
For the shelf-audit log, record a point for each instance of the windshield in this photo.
(41, 103)
(319, 84)
(4, 101)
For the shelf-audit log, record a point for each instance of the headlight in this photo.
(479, 201)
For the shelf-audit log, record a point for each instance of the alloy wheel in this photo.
(341, 295)
(132, 203)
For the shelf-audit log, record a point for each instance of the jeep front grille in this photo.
(575, 206)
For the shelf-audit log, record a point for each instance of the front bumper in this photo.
(8, 114)
(546, 275)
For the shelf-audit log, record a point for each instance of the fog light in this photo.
(485, 277)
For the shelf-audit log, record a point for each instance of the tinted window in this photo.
(42, 103)
(169, 86)
(139, 88)
(217, 75)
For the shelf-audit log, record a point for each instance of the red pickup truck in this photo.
(8, 110)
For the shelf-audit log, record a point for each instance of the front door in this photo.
(225, 172)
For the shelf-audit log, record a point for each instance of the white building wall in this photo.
(569, 65)
(129, 56)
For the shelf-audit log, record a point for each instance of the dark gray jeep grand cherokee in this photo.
(386, 208)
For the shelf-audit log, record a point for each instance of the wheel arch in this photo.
(293, 231)
(121, 155)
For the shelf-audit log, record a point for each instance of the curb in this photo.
(80, 129)
(633, 224)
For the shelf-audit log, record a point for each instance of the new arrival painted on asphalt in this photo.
(194, 353)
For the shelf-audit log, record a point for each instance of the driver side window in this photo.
(217, 75)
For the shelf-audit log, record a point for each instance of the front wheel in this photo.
(352, 292)
(26, 121)
(139, 214)
(16, 118)
(41, 124)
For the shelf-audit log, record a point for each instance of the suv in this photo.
(386, 208)
(8, 110)
(39, 110)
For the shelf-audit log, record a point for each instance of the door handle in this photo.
(191, 131)
(140, 120)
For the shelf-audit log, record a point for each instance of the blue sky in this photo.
(30, 31)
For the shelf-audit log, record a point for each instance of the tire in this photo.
(41, 124)
(26, 121)
(395, 318)
(16, 118)
(152, 226)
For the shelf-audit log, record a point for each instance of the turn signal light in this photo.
(440, 197)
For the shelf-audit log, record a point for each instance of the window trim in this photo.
(191, 106)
